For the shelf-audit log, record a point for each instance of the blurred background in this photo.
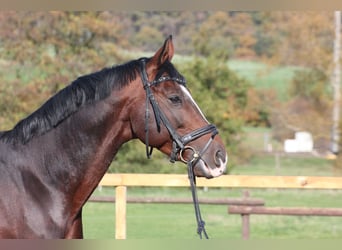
(266, 79)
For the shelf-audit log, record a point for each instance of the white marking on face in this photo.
(187, 93)
(213, 172)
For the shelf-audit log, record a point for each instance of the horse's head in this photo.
(167, 118)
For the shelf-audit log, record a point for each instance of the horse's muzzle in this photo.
(203, 169)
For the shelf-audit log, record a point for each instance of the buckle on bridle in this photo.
(195, 154)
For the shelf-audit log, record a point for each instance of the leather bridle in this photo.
(179, 143)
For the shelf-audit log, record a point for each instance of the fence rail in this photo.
(296, 211)
(231, 181)
(246, 211)
(122, 181)
(213, 201)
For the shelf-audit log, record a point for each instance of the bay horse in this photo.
(51, 161)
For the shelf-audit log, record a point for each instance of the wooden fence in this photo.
(246, 211)
(122, 181)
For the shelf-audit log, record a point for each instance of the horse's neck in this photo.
(95, 135)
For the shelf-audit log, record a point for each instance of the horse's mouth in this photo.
(201, 169)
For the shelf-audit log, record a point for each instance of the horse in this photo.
(52, 160)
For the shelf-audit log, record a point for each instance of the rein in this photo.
(200, 221)
(179, 143)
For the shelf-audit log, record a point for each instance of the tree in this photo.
(210, 40)
(303, 38)
(47, 50)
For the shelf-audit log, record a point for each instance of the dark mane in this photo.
(84, 90)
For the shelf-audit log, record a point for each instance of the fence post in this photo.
(245, 226)
(245, 219)
(120, 212)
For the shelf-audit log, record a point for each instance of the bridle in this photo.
(179, 143)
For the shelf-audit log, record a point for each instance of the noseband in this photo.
(179, 143)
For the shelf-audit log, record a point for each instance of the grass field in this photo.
(159, 221)
(174, 221)
(264, 76)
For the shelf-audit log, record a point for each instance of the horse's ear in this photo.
(165, 53)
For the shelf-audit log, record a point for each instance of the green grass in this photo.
(265, 76)
(172, 221)
(286, 165)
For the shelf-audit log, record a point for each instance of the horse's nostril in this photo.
(219, 158)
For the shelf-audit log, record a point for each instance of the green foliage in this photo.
(312, 85)
(46, 51)
(149, 35)
(210, 41)
(265, 45)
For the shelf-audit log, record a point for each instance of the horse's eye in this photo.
(175, 99)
